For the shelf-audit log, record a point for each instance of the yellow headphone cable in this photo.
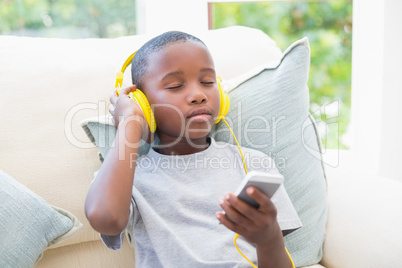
(245, 169)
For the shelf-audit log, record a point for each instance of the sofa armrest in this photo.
(364, 227)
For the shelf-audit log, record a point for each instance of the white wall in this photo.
(376, 87)
(157, 16)
(391, 123)
(367, 77)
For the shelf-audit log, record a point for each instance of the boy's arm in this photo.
(107, 205)
(259, 226)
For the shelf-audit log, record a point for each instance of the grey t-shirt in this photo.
(175, 197)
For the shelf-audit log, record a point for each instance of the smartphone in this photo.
(267, 183)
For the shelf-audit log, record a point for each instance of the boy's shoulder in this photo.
(254, 159)
(234, 147)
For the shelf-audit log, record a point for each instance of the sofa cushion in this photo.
(364, 220)
(28, 225)
(270, 112)
(91, 254)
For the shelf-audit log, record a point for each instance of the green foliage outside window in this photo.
(328, 25)
(67, 18)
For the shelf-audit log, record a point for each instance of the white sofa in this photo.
(48, 86)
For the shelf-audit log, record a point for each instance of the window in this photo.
(328, 25)
(67, 19)
(374, 141)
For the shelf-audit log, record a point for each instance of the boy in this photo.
(168, 199)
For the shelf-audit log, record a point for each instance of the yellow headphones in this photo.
(139, 97)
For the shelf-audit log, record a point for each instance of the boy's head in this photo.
(141, 59)
(176, 72)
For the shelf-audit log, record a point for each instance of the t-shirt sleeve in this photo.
(287, 216)
(115, 241)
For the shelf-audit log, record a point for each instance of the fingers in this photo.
(122, 106)
(229, 224)
(266, 205)
(115, 95)
(237, 210)
(242, 214)
(127, 90)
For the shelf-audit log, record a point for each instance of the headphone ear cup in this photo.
(139, 97)
(224, 102)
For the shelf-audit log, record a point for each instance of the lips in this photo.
(200, 111)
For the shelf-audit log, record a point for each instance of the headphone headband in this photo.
(119, 75)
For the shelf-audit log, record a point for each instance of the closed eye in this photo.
(174, 87)
(208, 83)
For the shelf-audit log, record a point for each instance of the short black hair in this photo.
(140, 62)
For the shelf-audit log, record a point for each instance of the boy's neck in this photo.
(183, 146)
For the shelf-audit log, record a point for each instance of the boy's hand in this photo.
(257, 226)
(123, 108)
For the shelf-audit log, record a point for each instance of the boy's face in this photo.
(180, 84)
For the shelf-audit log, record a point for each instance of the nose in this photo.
(196, 95)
